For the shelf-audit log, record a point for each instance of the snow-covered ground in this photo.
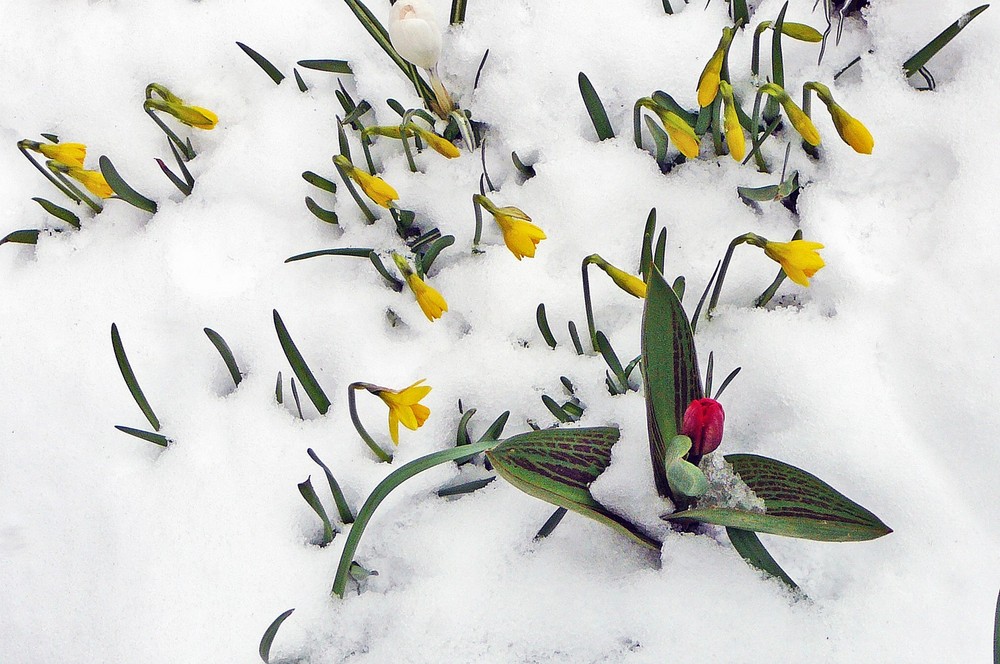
(882, 378)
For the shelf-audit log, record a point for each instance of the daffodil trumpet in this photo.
(629, 283)
(55, 177)
(850, 129)
(430, 301)
(519, 234)
(799, 259)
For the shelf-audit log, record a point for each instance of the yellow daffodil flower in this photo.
(193, 116)
(798, 258)
(71, 154)
(680, 132)
(807, 130)
(731, 124)
(439, 144)
(519, 234)
(431, 302)
(851, 130)
(708, 82)
(629, 283)
(377, 189)
(404, 407)
(93, 180)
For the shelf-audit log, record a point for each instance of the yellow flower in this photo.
(71, 154)
(680, 132)
(93, 180)
(629, 283)
(439, 144)
(431, 302)
(374, 187)
(708, 82)
(807, 130)
(193, 116)
(519, 234)
(802, 32)
(851, 130)
(798, 258)
(731, 123)
(404, 408)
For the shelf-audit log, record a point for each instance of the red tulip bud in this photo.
(702, 423)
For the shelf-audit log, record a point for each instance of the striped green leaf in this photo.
(558, 466)
(669, 370)
(797, 504)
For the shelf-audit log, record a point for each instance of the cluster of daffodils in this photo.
(67, 159)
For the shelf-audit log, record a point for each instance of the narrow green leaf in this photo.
(660, 253)
(329, 216)
(122, 188)
(21, 237)
(263, 63)
(749, 546)
(51, 137)
(660, 139)
(295, 398)
(666, 102)
(393, 282)
(609, 355)
(526, 171)
(227, 354)
(462, 436)
(338, 495)
(669, 370)
(741, 13)
(494, 430)
(797, 504)
(299, 366)
(465, 487)
(355, 252)
(277, 390)
(59, 212)
(384, 488)
(551, 523)
(458, 11)
(436, 247)
(332, 66)
(575, 338)
(646, 251)
(181, 185)
(130, 380)
(996, 634)
(556, 411)
(307, 491)
(543, 326)
(148, 436)
(923, 56)
(678, 287)
(558, 466)
(320, 182)
(265, 641)
(595, 108)
(667, 9)
(299, 82)
(396, 106)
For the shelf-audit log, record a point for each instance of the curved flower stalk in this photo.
(807, 130)
(851, 130)
(404, 407)
(431, 302)
(519, 234)
(711, 75)
(168, 102)
(377, 189)
(67, 154)
(438, 143)
(799, 259)
(629, 283)
(93, 181)
(731, 124)
(416, 36)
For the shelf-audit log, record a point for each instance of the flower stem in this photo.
(747, 237)
(477, 206)
(353, 408)
(586, 301)
(96, 207)
(49, 175)
(369, 215)
(184, 148)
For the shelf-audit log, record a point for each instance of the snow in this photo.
(882, 378)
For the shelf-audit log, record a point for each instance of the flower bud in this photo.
(702, 423)
(414, 32)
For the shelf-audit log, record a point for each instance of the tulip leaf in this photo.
(263, 63)
(332, 66)
(669, 370)
(59, 212)
(749, 546)
(307, 491)
(130, 379)
(21, 237)
(329, 216)
(558, 466)
(458, 11)
(226, 353)
(595, 108)
(921, 57)
(768, 193)
(683, 476)
(148, 436)
(122, 188)
(797, 504)
(299, 366)
(264, 650)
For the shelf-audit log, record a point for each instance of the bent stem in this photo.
(53, 166)
(586, 300)
(184, 148)
(365, 436)
(742, 239)
(48, 175)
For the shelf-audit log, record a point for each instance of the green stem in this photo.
(383, 489)
(369, 215)
(96, 207)
(725, 266)
(479, 223)
(586, 301)
(49, 176)
(184, 148)
(353, 407)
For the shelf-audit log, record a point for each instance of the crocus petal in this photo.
(414, 33)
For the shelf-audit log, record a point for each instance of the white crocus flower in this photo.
(416, 36)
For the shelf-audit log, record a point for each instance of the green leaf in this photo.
(263, 63)
(465, 487)
(148, 436)
(749, 546)
(122, 188)
(59, 212)
(556, 410)
(797, 504)
(355, 252)
(130, 380)
(609, 355)
(329, 216)
(278, 396)
(436, 247)
(51, 137)
(265, 641)
(551, 523)
(299, 82)
(299, 366)
(307, 491)
(666, 102)
(921, 57)
(646, 251)
(543, 326)
(338, 495)
(458, 11)
(768, 193)
(684, 477)
(669, 370)
(494, 430)
(575, 337)
(558, 466)
(227, 354)
(320, 182)
(595, 108)
(660, 139)
(332, 66)
(21, 237)
(384, 488)
(741, 14)
(526, 171)
(667, 9)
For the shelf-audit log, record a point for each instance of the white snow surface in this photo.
(882, 378)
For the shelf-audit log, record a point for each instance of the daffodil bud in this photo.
(71, 154)
(703, 423)
(377, 189)
(414, 32)
(708, 82)
(439, 144)
(679, 131)
(193, 116)
(731, 123)
(801, 32)
(629, 283)
(851, 130)
(431, 302)
(807, 130)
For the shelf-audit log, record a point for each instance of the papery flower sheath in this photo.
(404, 407)
(798, 258)
(680, 132)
